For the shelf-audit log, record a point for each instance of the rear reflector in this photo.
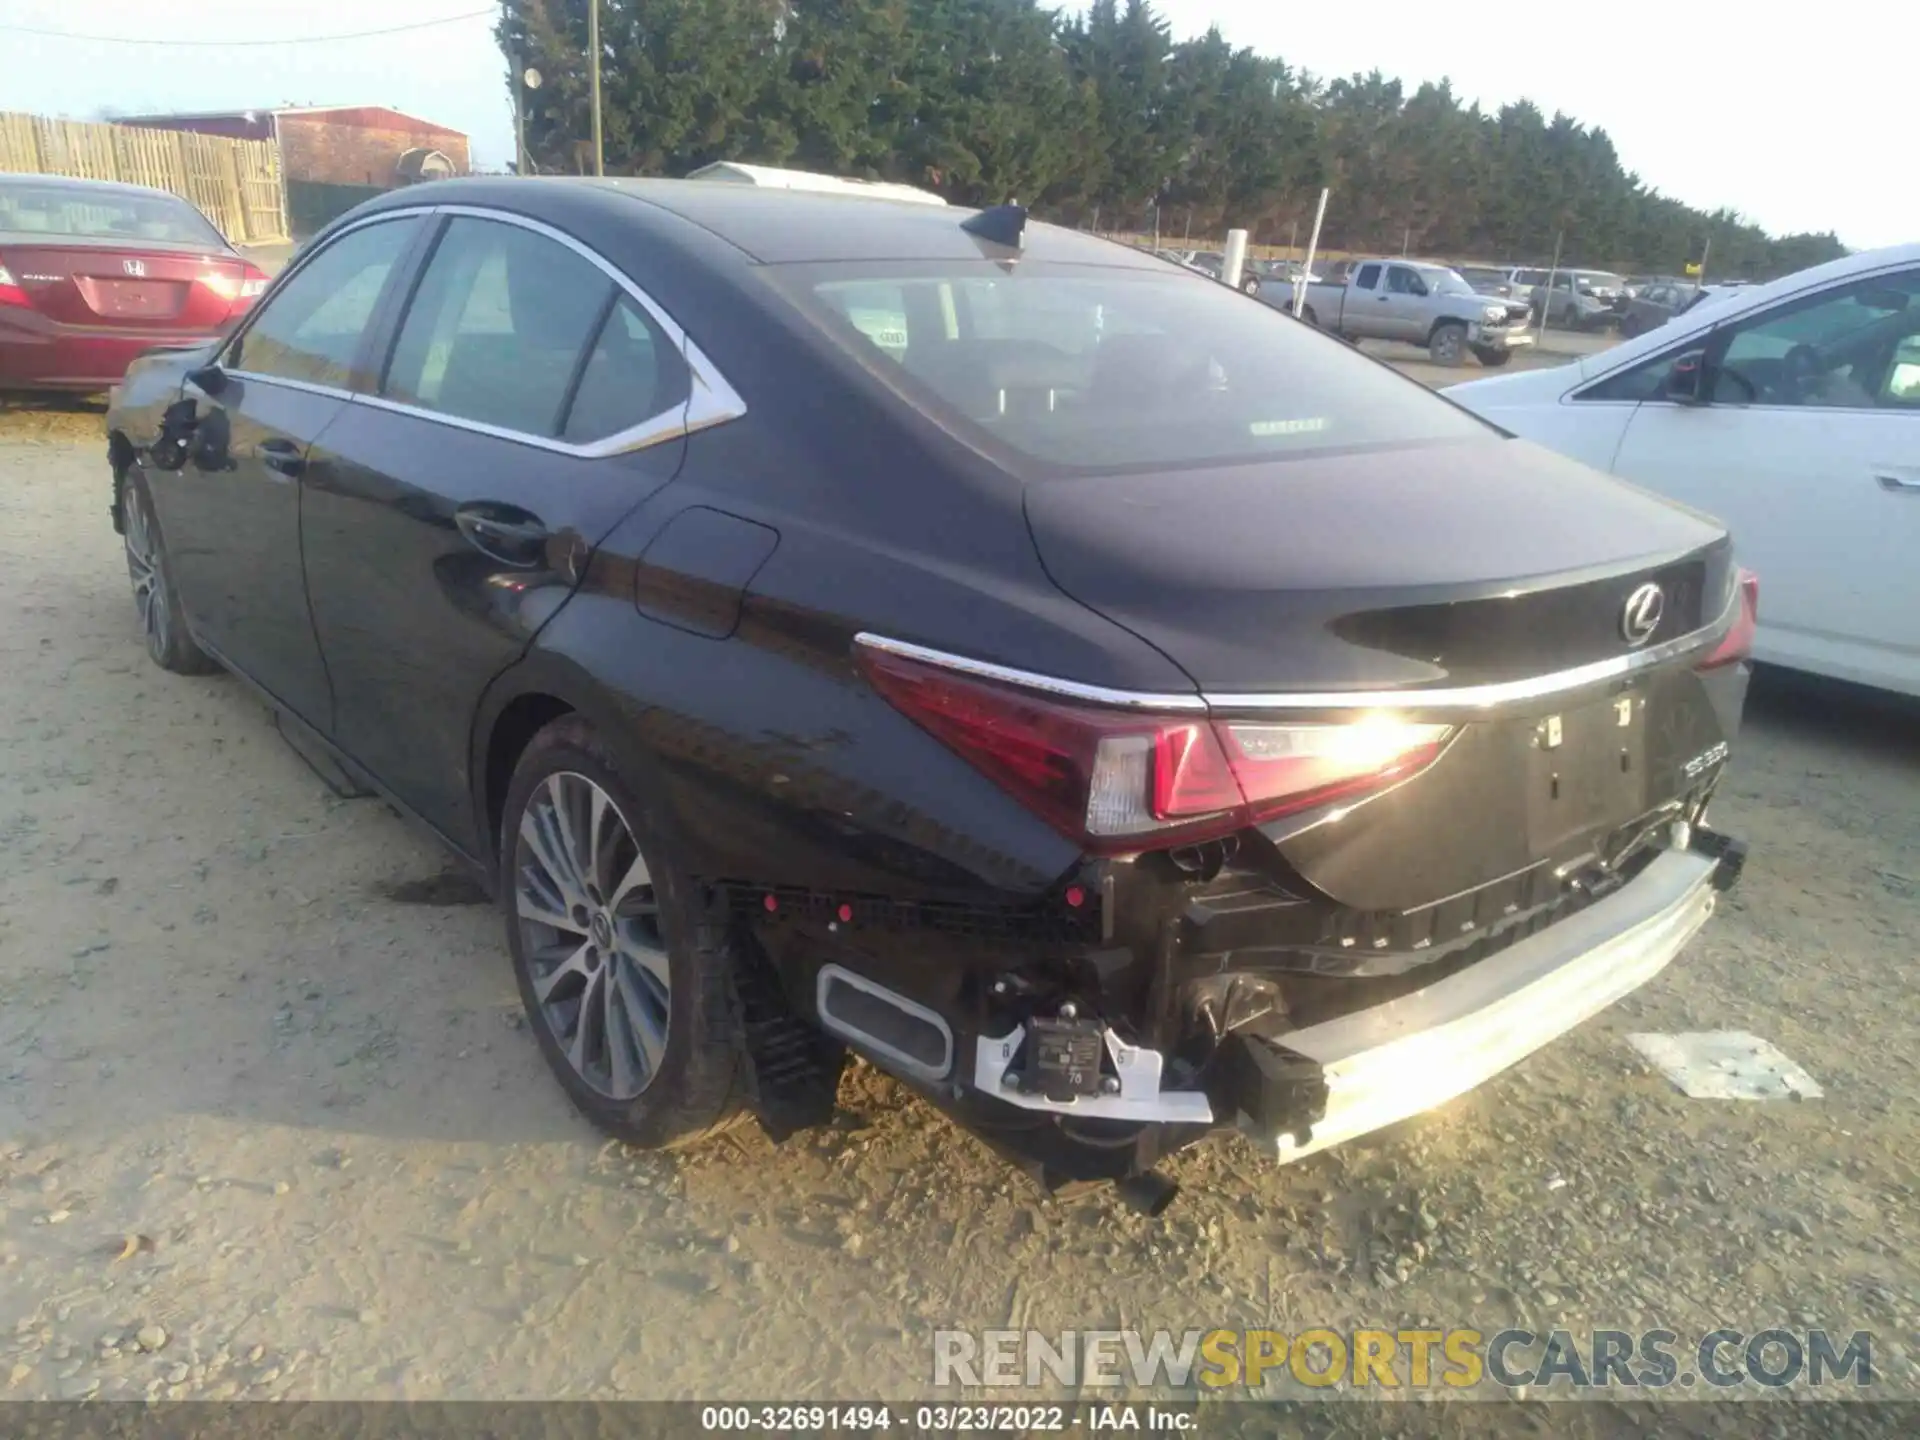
(1738, 642)
(10, 291)
(1119, 781)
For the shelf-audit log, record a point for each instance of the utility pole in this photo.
(516, 77)
(593, 45)
(1553, 273)
(1313, 247)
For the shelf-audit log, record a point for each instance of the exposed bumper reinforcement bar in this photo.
(1399, 1059)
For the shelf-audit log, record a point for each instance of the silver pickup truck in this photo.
(1423, 304)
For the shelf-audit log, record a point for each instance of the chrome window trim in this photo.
(711, 400)
(1462, 697)
(311, 387)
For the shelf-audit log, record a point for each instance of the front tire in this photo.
(155, 598)
(1448, 344)
(627, 981)
(1491, 356)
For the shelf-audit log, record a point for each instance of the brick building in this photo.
(333, 157)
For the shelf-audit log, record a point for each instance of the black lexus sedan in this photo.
(833, 625)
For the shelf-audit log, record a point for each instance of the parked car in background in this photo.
(1489, 279)
(1419, 303)
(1110, 707)
(1274, 280)
(92, 274)
(1580, 299)
(1791, 411)
(1659, 301)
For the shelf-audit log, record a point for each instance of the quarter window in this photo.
(312, 327)
(499, 327)
(633, 373)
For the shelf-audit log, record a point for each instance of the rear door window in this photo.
(1368, 278)
(311, 328)
(498, 328)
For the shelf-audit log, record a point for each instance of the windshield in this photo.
(58, 210)
(1094, 369)
(1448, 282)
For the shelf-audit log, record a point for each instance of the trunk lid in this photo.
(1434, 566)
(1428, 569)
(123, 288)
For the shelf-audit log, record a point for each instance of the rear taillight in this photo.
(1738, 642)
(10, 291)
(1119, 781)
(239, 291)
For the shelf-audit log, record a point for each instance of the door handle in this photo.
(504, 532)
(283, 456)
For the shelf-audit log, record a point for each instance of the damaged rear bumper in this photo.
(1377, 1066)
(1306, 1089)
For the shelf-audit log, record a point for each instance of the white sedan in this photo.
(1792, 412)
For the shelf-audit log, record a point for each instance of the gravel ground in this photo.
(270, 1124)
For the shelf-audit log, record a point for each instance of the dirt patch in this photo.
(258, 1096)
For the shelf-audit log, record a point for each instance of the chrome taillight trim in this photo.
(1461, 697)
(1189, 703)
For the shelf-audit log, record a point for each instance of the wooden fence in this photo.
(235, 183)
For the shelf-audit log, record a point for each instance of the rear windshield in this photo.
(61, 212)
(1092, 369)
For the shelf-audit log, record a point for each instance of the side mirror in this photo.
(1686, 382)
(209, 378)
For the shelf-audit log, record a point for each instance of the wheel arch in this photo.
(121, 454)
(1442, 322)
(540, 688)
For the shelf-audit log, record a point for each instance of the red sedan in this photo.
(92, 274)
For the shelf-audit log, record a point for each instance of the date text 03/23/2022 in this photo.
(943, 1419)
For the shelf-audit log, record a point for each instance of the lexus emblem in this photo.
(134, 267)
(1642, 615)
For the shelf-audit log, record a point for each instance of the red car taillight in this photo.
(1738, 643)
(10, 291)
(1119, 781)
(238, 291)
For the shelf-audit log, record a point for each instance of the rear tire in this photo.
(1448, 343)
(626, 979)
(1491, 357)
(155, 599)
(1306, 314)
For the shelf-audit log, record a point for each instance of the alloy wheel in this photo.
(590, 933)
(149, 579)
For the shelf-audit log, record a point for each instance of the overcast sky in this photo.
(1798, 119)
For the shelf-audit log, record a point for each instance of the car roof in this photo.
(775, 226)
